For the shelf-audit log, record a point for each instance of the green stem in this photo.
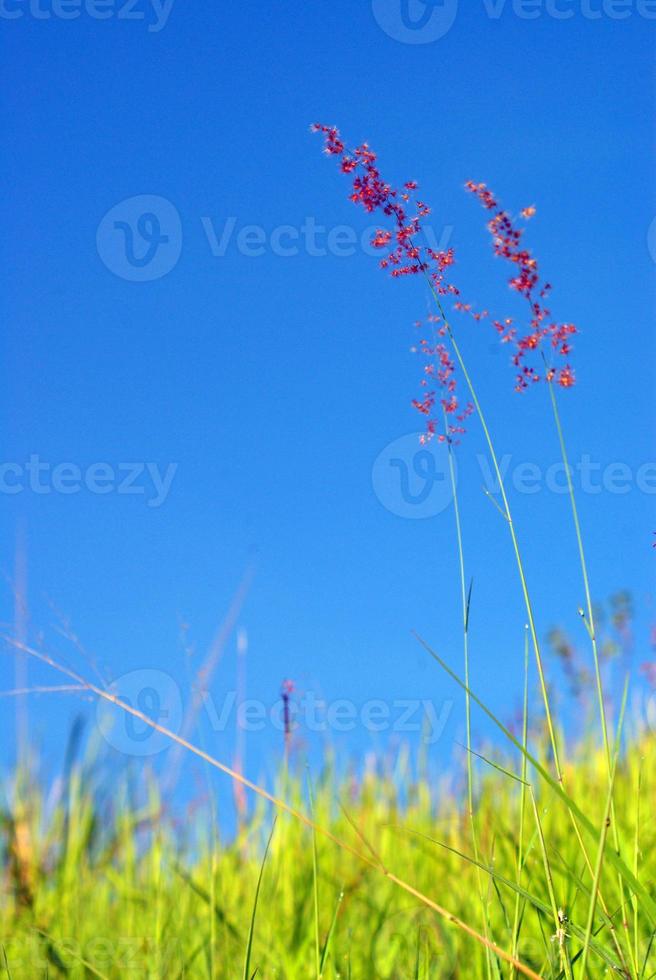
(522, 575)
(511, 525)
(584, 572)
(522, 807)
(465, 636)
(593, 641)
(560, 936)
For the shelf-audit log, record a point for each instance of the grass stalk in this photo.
(251, 931)
(507, 513)
(592, 633)
(560, 936)
(520, 567)
(522, 809)
(315, 886)
(465, 598)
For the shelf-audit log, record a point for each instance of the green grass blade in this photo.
(315, 884)
(602, 840)
(329, 936)
(6, 963)
(251, 932)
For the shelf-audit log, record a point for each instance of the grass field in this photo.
(111, 889)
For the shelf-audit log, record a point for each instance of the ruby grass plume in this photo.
(403, 255)
(507, 244)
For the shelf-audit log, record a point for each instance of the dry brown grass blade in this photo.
(280, 805)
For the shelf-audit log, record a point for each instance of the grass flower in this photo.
(405, 256)
(525, 279)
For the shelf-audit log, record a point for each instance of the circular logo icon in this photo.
(151, 692)
(415, 21)
(140, 239)
(412, 480)
(651, 240)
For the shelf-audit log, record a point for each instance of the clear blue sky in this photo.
(273, 382)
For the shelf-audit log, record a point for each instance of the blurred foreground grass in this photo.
(102, 887)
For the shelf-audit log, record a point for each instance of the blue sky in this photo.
(259, 388)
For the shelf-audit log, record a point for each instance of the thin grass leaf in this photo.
(468, 605)
(602, 840)
(6, 963)
(315, 884)
(647, 952)
(333, 922)
(495, 502)
(251, 931)
(494, 765)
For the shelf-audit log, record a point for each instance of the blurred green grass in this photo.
(109, 887)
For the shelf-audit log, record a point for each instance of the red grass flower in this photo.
(440, 370)
(404, 257)
(507, 244)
